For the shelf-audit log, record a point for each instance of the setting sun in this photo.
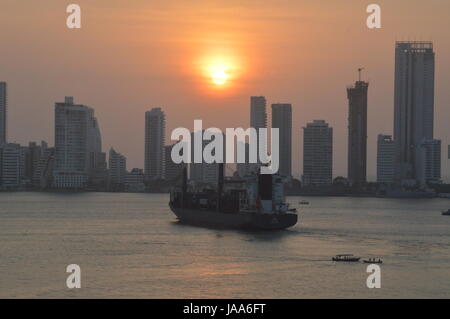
(220, 71)
(219, 76)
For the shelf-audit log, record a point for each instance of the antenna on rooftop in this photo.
(359, 73)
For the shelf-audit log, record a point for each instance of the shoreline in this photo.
(442, 196)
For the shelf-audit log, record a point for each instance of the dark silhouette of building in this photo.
(414, 112)
(357, 132)
(385, 159)
(282, 119)
(172, 171)
(317, 153)
(155, 126)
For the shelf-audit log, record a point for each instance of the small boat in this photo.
(446, 213)
(346, 257)
(373, 261)
(304, 202)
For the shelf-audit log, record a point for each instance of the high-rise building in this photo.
(357, 132)
(431, 152)
(12, 164)
(282, 119)
(117, 169)
(77, 140)
(32, 158)
(258, 120)
(96, 157)
(258, 114)
(172, 171)
(43, 175)
(317, 153)
(98, 171)
(385, 159)
(155, 126)
(413, 107)
(33, 169)
(3, 111)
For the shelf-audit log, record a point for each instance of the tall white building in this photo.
(282, 119)
(3, 111)
(117, 168)
(317, 153)
(155, 127)
(77, 140)
(385, 159)
(413, 108)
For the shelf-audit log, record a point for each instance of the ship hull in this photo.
(250, 221)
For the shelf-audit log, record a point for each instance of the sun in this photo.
(219, 76)
(219, 71)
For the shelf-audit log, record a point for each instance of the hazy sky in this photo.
(130, 56)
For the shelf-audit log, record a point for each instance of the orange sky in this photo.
(130, 56)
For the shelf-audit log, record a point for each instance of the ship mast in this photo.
(219, 185)
(184, 187)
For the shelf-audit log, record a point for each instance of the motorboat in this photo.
(373, 261)
(346, 257)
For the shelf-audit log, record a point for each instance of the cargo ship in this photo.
(253, 203)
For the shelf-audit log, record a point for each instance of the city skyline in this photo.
(71, 114)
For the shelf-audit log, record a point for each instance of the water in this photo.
(129, 246)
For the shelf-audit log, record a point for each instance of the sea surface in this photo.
(130, 246)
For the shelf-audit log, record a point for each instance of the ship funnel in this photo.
(265, 186)
(265, 192)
